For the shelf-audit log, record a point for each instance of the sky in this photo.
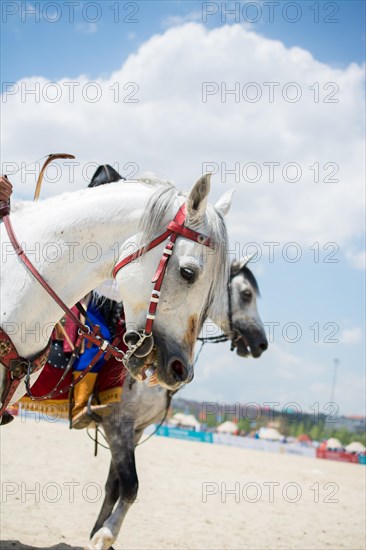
(269, 96)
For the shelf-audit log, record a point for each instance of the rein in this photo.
(222, 337)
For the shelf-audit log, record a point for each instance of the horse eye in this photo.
(246, 294)
(187, 274)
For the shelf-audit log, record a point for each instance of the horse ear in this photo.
(197, 198)
(246, 259)
(224, 203)
(238, 265)
(235, 267)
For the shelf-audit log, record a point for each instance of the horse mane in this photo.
(252, 280)
(152, 180)
(165, 198)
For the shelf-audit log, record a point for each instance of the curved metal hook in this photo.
(49, 159)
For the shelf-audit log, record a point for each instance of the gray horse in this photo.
(142, 405)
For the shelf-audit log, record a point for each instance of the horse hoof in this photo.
(102, 540)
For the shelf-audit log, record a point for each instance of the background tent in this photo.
(185, 420)
(355, 447)
(228, 427)
(271, 434)
(334, 444)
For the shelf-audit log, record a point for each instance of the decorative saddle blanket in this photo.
(108, 388)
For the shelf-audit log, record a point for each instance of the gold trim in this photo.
(48, 407)
(113, 395)
(60, 407)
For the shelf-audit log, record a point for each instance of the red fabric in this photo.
(112, 375)
(340, 456)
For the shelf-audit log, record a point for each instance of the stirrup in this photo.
(86, 416)
(89, 414)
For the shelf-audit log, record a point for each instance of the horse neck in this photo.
(221, 319)
(71, 222)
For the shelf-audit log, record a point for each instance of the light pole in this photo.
(336, 364)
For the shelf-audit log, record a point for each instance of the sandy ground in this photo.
(52, 489)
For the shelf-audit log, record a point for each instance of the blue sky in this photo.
(333, 32)
(305, 292)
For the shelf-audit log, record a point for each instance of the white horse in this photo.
(75, 240)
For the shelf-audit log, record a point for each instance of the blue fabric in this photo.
(96, 318)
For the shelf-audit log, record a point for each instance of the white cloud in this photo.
(172, 132)
(357, 259)
(177, 20)
(351, 336)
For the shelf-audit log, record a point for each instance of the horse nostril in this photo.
(263, 346)
(179, 370)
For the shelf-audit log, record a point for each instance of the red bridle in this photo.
(174, 229)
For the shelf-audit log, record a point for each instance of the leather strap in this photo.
(17, 367)
(189, 233)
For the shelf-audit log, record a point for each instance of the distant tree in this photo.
(244, 425)
(300, 429)
(211, 420)
(317, 431)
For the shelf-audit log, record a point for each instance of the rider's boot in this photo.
(80, 412)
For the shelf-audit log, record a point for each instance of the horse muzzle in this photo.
(250, 341)
(170, 369)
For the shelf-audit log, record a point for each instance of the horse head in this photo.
(194, 281)
(248, 335)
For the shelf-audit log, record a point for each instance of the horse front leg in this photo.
(122, 446)
(110, 498)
